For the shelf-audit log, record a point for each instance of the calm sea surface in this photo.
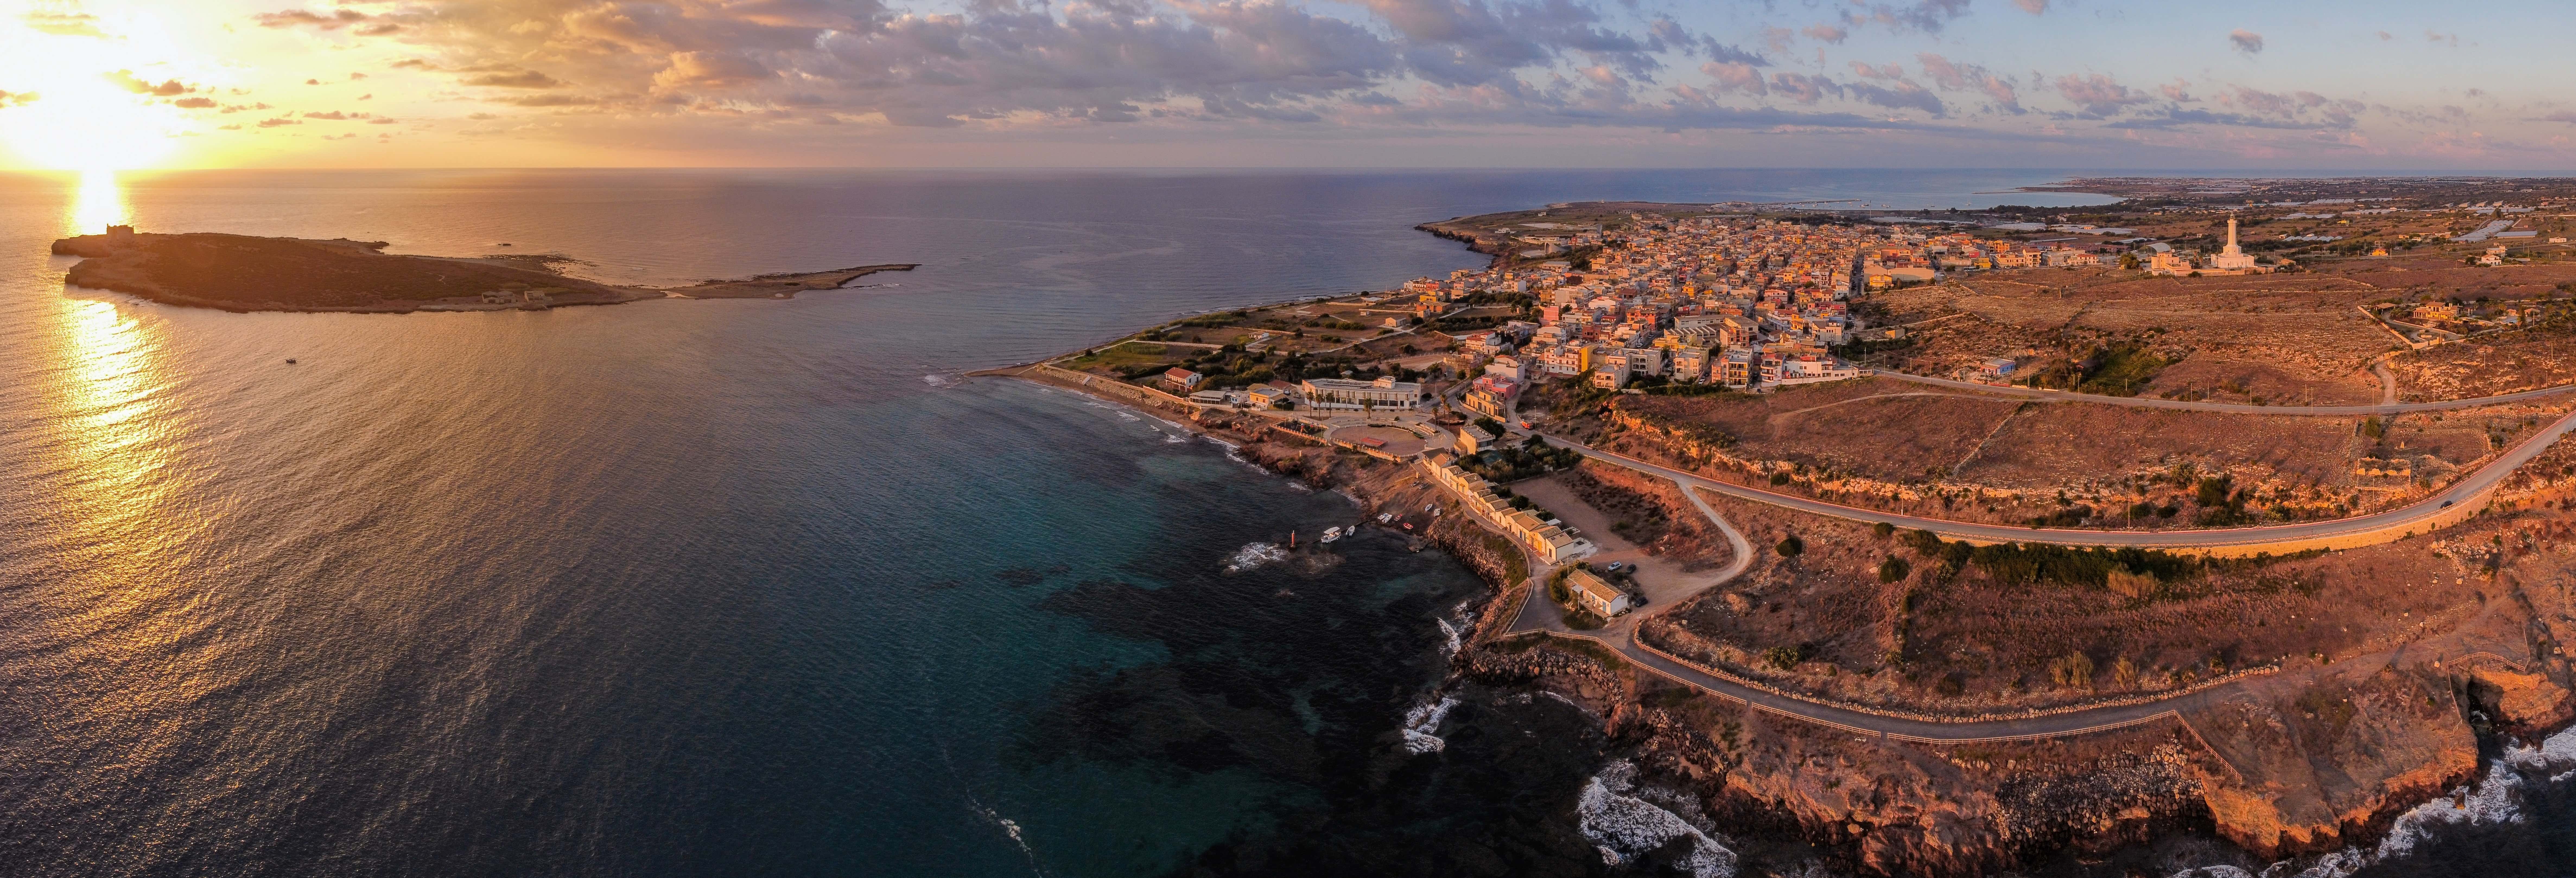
(688, 587)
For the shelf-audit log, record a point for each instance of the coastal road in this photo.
(2383, 408)
(2465, 490)
(1539, 613)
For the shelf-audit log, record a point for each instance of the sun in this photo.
(78, 119)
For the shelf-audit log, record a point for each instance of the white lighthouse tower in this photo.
(2232, 258)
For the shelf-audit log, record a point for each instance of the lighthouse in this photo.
(2233, 258)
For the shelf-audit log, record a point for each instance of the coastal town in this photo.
(2015, 477)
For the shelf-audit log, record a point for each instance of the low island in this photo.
(246, 273)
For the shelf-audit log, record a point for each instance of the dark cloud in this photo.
(2246, 41)
(1901, 96)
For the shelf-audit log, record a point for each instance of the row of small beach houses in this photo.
(1549, 542)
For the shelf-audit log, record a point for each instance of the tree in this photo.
(1893, 569)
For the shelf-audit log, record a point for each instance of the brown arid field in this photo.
(1647, 511)
(1886, 445)
(1963, 642)
(2488, 365)
(2285, 338)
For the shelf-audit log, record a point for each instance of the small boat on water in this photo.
(1331, 534)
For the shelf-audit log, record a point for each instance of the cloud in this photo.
(1803, 88)
(383, 120)
(2177, 91)
(546, 100)
(507, 76)
(194, 103)
(2097, 94)
(1926, 16)
(2246, 41)
(334, 115)
(710, 70)
(1734, 76)
(1950, 76)
(1903, 95)
(2433, 36)
(2385, 36)
(17, 98)
(126, 80)
(2034, 7)
(1826, 33)
(303, 18)
(1886, 71)
(64, 24)
(278, 121)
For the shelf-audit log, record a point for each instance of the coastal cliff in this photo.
(2312, 760)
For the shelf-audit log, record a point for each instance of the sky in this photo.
(2177, 85)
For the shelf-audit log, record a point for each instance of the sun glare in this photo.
(101, 203)
(80, 120)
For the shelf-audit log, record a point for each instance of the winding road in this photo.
(1541, 614)
(2388, 390)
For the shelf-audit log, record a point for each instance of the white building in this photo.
(2232, 258)
(1347, 395)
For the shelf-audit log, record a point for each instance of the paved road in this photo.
(2467, 490)
(2236, 407)
(1539, 613)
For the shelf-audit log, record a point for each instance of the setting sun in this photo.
(80, 102)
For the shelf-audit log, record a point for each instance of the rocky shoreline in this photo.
(1793, 796)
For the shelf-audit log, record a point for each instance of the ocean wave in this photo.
(1254, 555)
(1175, 438)
(1421, 721)
(938, 380)
(1624, 827)
(1126, 416)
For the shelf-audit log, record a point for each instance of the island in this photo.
(246, 273)
(1952, 542)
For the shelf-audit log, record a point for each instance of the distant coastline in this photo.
(242, 273)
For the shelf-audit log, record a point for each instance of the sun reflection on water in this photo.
(101, 203)
(111, 450)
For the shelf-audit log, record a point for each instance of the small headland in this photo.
(245, 273)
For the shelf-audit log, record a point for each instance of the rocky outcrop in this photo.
(2324, 765)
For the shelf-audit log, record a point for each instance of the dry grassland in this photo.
(1966, 643)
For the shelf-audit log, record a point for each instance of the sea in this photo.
(691, 587)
